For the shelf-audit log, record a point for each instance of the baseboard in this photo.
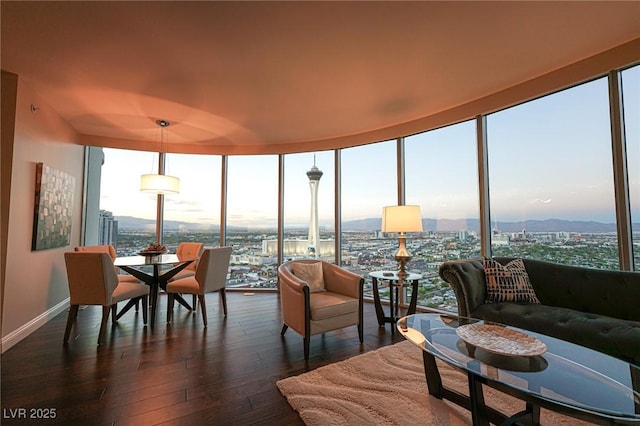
(16, 336)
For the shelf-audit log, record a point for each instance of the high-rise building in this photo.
(107, 229)
(313, 246)
(314, 175)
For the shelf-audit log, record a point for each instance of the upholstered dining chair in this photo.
(210, 276)
(111, 250)
(318, 296)
(188, 250)
(93, 281)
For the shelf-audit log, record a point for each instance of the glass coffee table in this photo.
(542, 371)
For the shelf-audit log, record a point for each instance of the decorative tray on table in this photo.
(153, 250)
(500, 340)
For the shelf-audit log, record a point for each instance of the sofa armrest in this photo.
(466, 278)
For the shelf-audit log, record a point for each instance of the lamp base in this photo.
(402, 270)
(402, 257)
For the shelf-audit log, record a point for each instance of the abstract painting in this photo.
(53, 208)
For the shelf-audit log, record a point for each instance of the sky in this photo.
(548, 158)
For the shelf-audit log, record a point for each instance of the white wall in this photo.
(35, 281)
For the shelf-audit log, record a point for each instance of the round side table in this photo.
(390, 279)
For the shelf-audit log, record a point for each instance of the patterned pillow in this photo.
(508, 283)
(311, 273)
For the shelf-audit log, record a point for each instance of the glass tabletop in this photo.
(393, 275)
(565, 374)
(163, 259)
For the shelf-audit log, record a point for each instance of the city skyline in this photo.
(373, 225)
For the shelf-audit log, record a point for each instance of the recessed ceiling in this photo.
(253, 77)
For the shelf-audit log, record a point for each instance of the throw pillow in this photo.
(508, 283)
(311, 273)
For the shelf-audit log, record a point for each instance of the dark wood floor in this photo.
(181, 373)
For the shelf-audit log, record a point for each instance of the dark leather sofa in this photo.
(595, 308)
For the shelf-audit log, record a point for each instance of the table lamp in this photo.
(401, 219)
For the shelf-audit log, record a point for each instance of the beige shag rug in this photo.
(387, 387)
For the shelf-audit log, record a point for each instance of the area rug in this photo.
(387, 387)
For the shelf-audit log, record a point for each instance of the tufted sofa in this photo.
(595, 308)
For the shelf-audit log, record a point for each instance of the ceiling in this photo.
(268, 77)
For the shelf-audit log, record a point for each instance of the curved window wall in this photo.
(549, 184)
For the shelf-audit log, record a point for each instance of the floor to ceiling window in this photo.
(441, 176)
(631, 105)
(127, 216)
(252, 218)
(551, 179)
(308, 176)
(369, 182)
(194, 213)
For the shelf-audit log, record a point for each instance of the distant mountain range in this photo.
(547, 225)
(373, 224)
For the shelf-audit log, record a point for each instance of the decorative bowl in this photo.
(151, 252)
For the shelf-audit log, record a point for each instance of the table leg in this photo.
(377, 303)
(163, 280)
(478, 408)
(154, 294)
(530, 416)
(154, 281)
(414, 298)
(178, 298)
(431, 373)
(129, 305)
(635, 383)
(392, 315)
(396, 316)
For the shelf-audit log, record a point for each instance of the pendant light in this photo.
(160, 183)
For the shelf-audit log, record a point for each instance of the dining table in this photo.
(155, 271)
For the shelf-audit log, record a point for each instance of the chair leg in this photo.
(73, 313)
(194, 300)
(223, 296)
(145, 308)
(307, 341)
(203, 308)
(138, 306)
(103, 324)
(169, 307)
(284, 329)
(360, 333)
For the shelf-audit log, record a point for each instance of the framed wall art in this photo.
(53, 208)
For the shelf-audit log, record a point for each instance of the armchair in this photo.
(309, 309)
